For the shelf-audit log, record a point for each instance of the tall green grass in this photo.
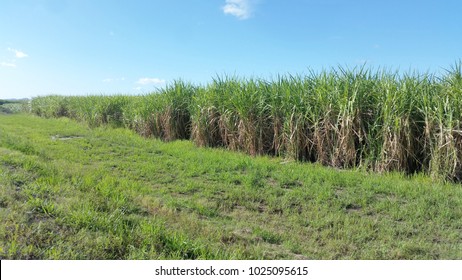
(376, 119)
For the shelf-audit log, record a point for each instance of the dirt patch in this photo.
(353, 208)
(65, 138)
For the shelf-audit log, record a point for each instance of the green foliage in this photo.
(14, 106)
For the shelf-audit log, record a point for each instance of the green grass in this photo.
(68, 191)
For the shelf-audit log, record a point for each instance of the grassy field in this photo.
(68, 191)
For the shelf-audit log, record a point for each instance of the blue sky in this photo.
(134, 46)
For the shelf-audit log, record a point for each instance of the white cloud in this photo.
(8, 64)
(20, 54)
(242, 9)
(17, 53)
(148, 81)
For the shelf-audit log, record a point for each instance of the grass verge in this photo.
(70, 192)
